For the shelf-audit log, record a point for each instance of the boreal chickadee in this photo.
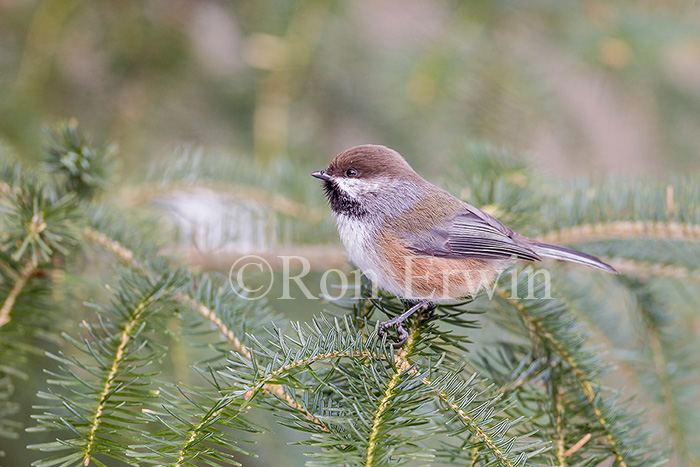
(416, 240)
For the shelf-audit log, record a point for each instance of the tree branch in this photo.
(475, 457)
(24, 275)
(669, 401)
(114, 247)
(277, 202)
(210, 315)
(579, 444)
(558, 422)
(263, 385)
(124, 339)
(128, 256)
(623, 229)
(646, 269)
(578, 373)
(479, 434)
(402, 365)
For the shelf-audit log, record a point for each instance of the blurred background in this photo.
(592, 86)
(221, 108)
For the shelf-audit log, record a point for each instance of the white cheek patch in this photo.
(355, 187)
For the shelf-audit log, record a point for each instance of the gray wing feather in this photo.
(473, 233)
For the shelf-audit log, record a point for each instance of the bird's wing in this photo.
(472, 233)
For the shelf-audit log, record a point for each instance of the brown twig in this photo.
(579, 444)
(24, 275)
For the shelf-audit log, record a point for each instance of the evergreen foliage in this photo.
(507, 378)
(82, 167)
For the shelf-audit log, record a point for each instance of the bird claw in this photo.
(402, 335)
(397, 322)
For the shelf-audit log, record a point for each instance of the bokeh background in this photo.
(220, 108)
(578, 86)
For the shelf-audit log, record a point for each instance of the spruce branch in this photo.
(24, 274)
(457, 399)
(195, 425)
(602, 330)
(242, 349)
(558, 405)
(578, 445)
(547, 321)
(566, 355)
(276, 202)
(211, 316)
(82, 167)
(664, 366)
(456, 396)
(296, 365)
(199, 432)
(663, 369)
(648, 269)
(128, 256)
(24, 301)
(213, 415)
(622, 209)
(94, 397)
(675, 427)
(653, 316)
(124, 339)
(117, 249)
(587, 233)
(498, 450)
(260, 375)
(37, 223)
(371, 406)
(402, 365)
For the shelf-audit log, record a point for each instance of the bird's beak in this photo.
(321, 174)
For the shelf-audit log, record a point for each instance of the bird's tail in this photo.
(567, 254)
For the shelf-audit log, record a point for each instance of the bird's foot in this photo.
(402, 335)
(397, 322)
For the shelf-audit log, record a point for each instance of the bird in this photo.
(417, 241)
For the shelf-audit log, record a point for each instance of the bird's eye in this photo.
(351, 173)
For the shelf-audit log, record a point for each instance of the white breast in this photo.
(360, 238)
